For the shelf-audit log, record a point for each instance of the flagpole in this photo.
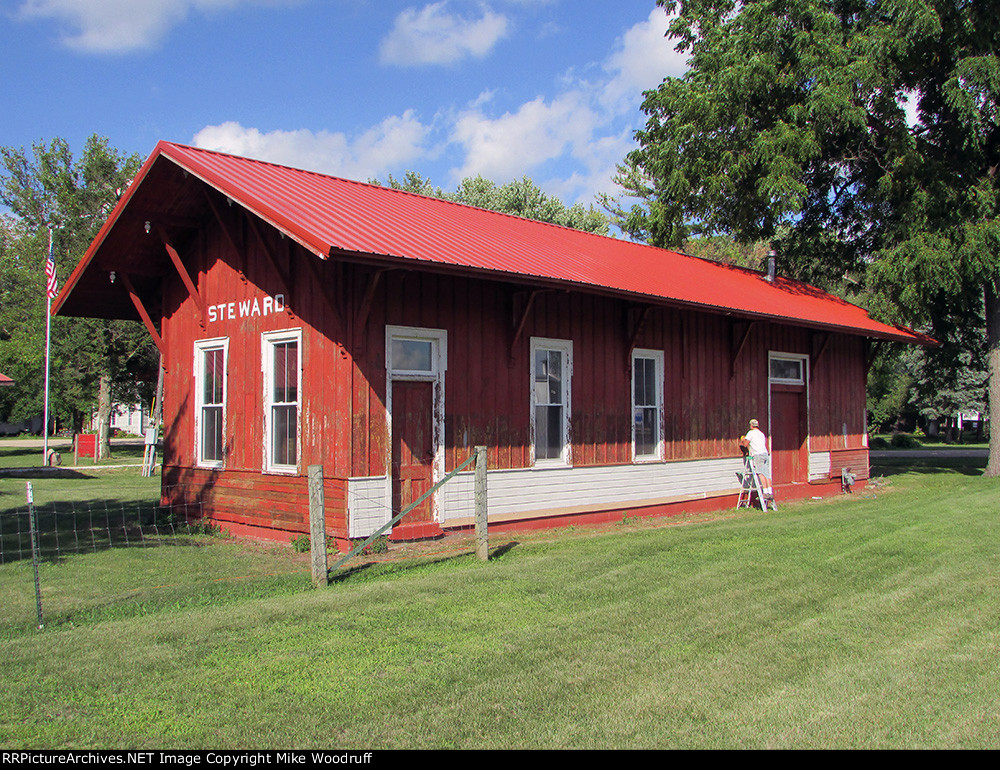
(48, 332)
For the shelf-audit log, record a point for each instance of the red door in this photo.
(412, 448)
(789, 453)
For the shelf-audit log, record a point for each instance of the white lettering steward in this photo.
(247, 308)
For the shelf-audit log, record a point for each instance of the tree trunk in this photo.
(993, 366)
(104, 417)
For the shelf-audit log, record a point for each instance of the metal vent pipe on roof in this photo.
(772, 265)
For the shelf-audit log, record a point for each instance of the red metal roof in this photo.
(331, 216)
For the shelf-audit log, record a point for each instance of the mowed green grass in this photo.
(868, 622)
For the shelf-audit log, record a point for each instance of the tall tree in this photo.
(521, 197)
(868, 131)
(92, 362)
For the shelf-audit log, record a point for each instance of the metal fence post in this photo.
(482, 508)
(317, 526)
(33, 531)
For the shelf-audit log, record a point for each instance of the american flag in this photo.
(50, 273)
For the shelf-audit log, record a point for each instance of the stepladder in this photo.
(750, 486)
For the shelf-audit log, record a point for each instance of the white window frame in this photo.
(268, 342)
(201, 347)
(803, 368)
(438, 339)
(566, 348)
(656, 356)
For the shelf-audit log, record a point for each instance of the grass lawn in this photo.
(31, 457)
(867, 622)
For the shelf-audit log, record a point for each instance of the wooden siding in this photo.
(249, 499)
(343, 309)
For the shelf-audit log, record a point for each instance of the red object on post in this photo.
(85, 445)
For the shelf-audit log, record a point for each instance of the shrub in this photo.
(300, 543)
(378, 545)
(904, 441)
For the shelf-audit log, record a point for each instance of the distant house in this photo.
(5, 380)
(306, 319)
(133, 419)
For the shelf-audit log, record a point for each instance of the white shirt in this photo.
(758, 442)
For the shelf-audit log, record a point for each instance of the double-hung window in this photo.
(210, 357)
(282, 365)
(551, 372)
(647, 405)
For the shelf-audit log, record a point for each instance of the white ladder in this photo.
(750, 483)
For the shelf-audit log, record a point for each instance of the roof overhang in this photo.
(176, 187)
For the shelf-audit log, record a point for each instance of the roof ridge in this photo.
(308, 172)
(411, 193)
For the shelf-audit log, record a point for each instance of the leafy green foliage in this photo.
(49, 188)
(521, 197)
(861, 138)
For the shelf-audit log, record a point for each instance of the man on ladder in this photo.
(757, 467)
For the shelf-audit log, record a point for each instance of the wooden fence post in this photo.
(317, 526)
(482, 508)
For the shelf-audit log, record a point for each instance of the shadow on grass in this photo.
(380, 569)
(43, 473)
(92, 526)
(503, 549)
(967, 466)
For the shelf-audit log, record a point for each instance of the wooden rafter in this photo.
(739, 345)
(240, 254)
(637, 330)
(824, 342)
(682, 322)
(282, 274)
(365, 308)
(519, 328)
(144, 315)
(324, 289)
(185, 276)
(874, 346)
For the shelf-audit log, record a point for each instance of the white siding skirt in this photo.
(525, 493)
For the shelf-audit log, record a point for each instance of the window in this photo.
(551, 371)
(415, 353)
(647, 405)
(282, 399)
(786, 368)
(210, 401)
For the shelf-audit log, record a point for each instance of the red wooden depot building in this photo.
(305, 319)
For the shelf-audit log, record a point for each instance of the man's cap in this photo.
(753, 423)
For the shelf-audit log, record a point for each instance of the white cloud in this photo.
(507, 146)
(432, 35)
(589, 123)
(642, 60)
(117, 26)
(587, 127)
(396, 141)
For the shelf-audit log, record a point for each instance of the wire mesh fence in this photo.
(113, 550)
(76, 527)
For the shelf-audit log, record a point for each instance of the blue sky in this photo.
(549, 89)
